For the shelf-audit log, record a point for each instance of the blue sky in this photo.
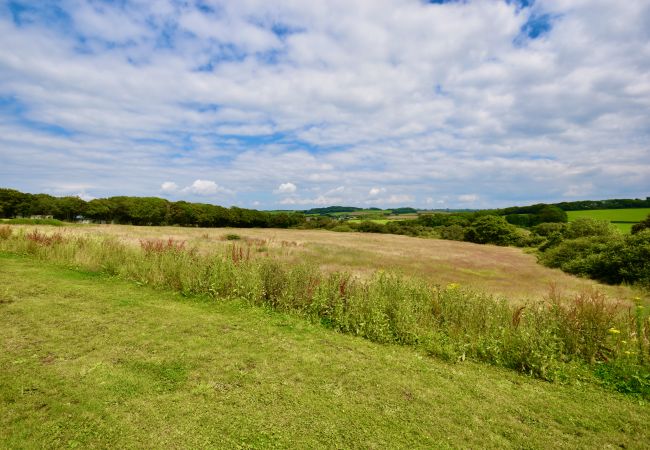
(293, 104)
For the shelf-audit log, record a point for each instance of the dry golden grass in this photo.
(500, 270)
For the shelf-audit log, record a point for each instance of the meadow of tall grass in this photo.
(555, 338)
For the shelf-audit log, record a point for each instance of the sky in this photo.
(296, 104)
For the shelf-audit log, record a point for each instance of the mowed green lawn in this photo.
(90, 361)
(621, 218)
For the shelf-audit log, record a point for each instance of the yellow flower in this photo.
(614, 331)
(623, 342)
(452, 286)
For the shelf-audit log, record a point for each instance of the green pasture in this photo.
(381, 221)
(90, 361)
(623, 219)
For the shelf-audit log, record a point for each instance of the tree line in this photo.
(140, 211)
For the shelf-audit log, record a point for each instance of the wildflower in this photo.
(623, 342)
(453, 286)
(627, 352)
(614, 331)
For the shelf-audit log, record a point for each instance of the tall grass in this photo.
(548, 338)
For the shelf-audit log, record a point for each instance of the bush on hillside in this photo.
(521, 220)
(613, 259)
(549, 228)
(492, 230)
(587, 226)
(452, 232)
(643, 225)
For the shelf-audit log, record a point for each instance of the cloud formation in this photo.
(204, 188)
(395, 101)
(286, 188)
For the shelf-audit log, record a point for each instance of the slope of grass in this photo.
(623, 219)
(90, 361)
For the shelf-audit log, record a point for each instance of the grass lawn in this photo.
(90, 361)
(623, 219)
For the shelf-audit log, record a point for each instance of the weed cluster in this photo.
(5, 232)
(160, 245)
(44, 239)
(552, 339)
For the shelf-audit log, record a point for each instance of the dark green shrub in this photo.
(643, 225)
(440, 219)
(521, 220)
(612, 259)
(452, 232)
(492, 230)
(343, 228)
(368, 226)
(549, 228)
(550, 214)
(587, 226)
(232, 237)
(625, 376)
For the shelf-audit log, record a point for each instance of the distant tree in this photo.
(440, 219)
(69, 207)
(100, 209)
(550, 213)
(521, 220)
(13, 202)
(43, 204)
(146, 210)
(407, 210)
(180, 213)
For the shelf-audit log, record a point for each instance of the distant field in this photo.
(623, 219)
(506, 271)
(88, 361)
(381, 221)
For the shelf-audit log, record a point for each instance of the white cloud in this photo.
(85, 196)
(205, 188)
(169, 186)
(428, 100)
(467, 198)
(286, 188)
(395, 199)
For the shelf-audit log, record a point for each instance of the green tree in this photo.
(492, 230)
(587, 226)
(43, 204)
(13, 202)
(550, 213)
(69, 207)
(100, 209)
